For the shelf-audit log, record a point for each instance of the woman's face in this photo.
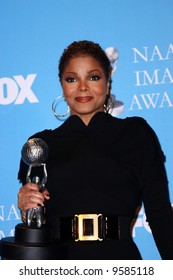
(84, 86)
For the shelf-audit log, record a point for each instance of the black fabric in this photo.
(107, 167)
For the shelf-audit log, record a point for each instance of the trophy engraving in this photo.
(34, 154)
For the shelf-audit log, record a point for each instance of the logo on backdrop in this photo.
(17, 90)
(8, 215)
(153, 68)
(141, 222)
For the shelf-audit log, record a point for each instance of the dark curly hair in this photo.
(85, 47)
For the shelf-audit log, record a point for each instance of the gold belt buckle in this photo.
(87, 227)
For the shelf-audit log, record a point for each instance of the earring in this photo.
(55, 103)
(109, 105)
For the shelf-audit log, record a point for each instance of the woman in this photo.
(99, 168)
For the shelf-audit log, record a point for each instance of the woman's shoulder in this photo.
(135, 120)
(42, 134)
(140, 131)
(132, 123)
(48, 135)
(136, 123)
(137, 129)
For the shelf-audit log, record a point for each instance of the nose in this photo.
(83, 86)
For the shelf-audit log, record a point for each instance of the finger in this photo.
(46, 192)
(31, 186)
(35, 199)
(46, 195)
(28, 200)
(25, 195)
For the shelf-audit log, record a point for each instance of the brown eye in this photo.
(70, 80)
(94, 78)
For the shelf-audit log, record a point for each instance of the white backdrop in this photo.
(33, 36)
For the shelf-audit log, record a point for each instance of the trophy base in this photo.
(25, 234)
(10, 250)
(32, 244)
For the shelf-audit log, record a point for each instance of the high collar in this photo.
(74, 123)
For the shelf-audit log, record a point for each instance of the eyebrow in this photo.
(93, 70)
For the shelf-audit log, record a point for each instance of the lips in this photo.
(84, 99)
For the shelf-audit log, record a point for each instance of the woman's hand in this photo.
(30, 197)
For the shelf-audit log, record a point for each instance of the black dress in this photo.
(107, 167)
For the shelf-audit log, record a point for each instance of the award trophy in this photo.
(34, 154)
(33, 239)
